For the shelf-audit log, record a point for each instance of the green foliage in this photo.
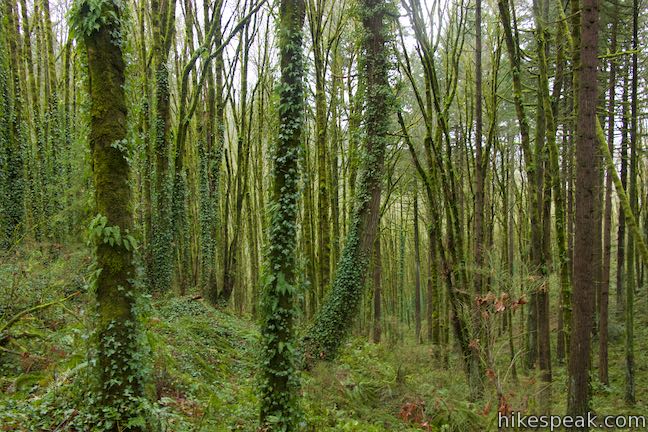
(4, 139)
(99, 233)
(280, 408)
(88, 16)
(162, 240)
(341, 307)
(12, 140)
(204, 368)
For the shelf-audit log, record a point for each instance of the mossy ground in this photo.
(204, 367)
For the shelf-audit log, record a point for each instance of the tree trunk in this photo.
(587, 166)
(631, 256)
(607, 229)
(280, 381)
(119, 362)
(417, 268)
(377, 292)
(13, 207)
(621, 232)
(332, 324)
(163, 17)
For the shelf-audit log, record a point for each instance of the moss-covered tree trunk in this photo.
(433, 297)
(623, 174)
(232, 244)
(534, 167)
(279, 397)
(216, 106)
(333, 322)
(163, 17)
(377, 291)
(316, 10)
(417, 268)
(607, 229)
(119, 360)
(480, 174)
(13, 206)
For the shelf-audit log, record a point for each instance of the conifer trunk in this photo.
(587, 172)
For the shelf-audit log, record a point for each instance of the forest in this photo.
(323, 215)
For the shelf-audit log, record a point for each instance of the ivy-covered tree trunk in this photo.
(417, 269)
(587, 171)
(163, 17)
(37, 162)
(5, 111)
(334, 320)
(120, 382)
(13, 205)
(279, 397)
(377, 291)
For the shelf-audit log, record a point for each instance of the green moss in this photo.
(119, 387)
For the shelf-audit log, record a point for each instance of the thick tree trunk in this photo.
(587, 166)
(119, 363)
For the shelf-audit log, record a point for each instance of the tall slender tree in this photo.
(630, 272)
(13, 206)
(163, 27)
(279, 398)
(334, 320)
(607, 228)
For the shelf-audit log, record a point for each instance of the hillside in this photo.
(203, 364)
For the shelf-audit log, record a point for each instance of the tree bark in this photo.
(587, 166)
(377, 292)
(607, 228)
(417, 269)
(334, 320)
(280, 381)
(119, 365)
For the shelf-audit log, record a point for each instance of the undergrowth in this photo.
(204, 367)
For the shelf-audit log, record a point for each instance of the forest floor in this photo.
(204, 363)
